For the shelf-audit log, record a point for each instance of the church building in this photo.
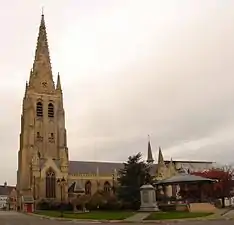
(43, 159)
(44, 170)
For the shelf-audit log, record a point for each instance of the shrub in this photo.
(130, 205)
(103, 201)
(53, 205)
(167, 208)
(218, 203)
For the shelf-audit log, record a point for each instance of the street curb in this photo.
(70, 219)
(123, 221)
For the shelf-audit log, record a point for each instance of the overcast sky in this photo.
(128, 68)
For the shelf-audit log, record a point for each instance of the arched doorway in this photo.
(50, 184)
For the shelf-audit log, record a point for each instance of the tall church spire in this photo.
(150, 155)
(42, 72)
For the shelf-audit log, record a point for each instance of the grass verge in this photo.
(93, 215)
(175, 215)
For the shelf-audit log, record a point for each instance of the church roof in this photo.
(89, 167)
(105, 168)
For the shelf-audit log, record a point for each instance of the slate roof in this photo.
(6, 190)
(89, 167)
(28, 199)
(105, 168)
(188, 161)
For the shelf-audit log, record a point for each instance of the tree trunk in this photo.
(223, 202)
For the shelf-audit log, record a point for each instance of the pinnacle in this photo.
(58, 84)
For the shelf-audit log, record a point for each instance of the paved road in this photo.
(14, 218)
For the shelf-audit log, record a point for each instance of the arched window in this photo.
(50, 184)
(107, 187)
(39, 109)
(50, 110)
(88, 188)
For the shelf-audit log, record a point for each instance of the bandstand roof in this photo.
(184, 178)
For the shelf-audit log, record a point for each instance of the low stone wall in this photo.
(182, 208)
(202, 207)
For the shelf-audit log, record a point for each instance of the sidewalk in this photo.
(138, 217)
(229, 214)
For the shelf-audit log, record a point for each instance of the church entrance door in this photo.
(29, 208)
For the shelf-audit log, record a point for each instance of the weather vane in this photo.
(42, 10)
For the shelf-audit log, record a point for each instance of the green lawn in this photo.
(93, 215)
(175, 215)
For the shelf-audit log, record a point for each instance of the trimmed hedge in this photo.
(110, 203)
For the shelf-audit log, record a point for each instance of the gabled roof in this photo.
(6, 190)
(27, 199)
(76, 188)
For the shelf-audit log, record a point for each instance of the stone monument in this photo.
(148, 199)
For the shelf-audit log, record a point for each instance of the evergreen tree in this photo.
(134, 174)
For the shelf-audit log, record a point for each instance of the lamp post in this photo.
(113, 183)
(34, 192)
(61, 182)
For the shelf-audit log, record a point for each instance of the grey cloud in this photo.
(176, 85)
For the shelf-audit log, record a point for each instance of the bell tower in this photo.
(43, 133)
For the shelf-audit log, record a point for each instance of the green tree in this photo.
(134, 174)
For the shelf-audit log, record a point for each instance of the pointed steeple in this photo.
(58, 84)
(41, 77)
(149, 155)
(160, 157)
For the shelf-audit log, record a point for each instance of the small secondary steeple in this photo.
(149, 155)
(160, 157)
